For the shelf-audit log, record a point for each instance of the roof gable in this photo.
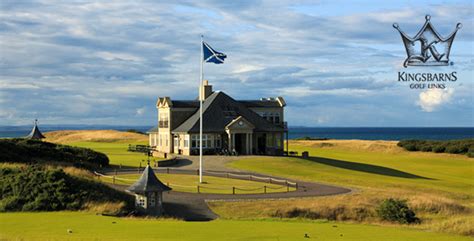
(240, 123)
(219, 110)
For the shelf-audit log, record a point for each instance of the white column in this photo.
(233, 142)
(248, 144)
(251, 143)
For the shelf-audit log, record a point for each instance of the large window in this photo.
(206, 141)
(163, 120)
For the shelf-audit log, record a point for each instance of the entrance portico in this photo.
(240, 134)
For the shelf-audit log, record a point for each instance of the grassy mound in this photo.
(450, 146)
(33, 151)
(68, 136)
(37, 188)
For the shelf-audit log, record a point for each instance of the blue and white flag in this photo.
(212, 56)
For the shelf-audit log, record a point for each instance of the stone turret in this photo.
(148, 192)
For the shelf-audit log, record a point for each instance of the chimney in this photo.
(206, 90)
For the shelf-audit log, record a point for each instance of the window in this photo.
(206, 141)
(151, 201)
(194, 141)
(186, 141)
(163, 120)
(141, 202)
(277, 118)
(166, 140)
(278, 140)
(269, 140)
(217, 141)
(176, 141)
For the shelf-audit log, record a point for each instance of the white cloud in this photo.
(431, 99)
(140, 111)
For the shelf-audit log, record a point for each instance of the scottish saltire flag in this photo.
(212, 56)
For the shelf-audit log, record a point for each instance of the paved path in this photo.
(193, 206)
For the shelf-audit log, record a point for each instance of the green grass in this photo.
(86, 226)
(448, 175)
(189, 183)
(117, 152)
(438, 186)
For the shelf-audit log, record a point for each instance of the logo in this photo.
(428, 47)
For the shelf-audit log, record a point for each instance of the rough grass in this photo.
(87, 226)
(69, 136)
(438, 187)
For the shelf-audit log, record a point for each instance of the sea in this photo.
(361, 133)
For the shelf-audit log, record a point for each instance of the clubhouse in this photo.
(242, 127)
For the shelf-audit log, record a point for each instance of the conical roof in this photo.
(148, 182)
(35, 133)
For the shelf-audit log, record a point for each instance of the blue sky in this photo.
(335, 62)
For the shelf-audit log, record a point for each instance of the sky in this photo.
(336, 63)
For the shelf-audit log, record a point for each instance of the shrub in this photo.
(396, 210)
(34, 151)
(449, 146)
(38, 189)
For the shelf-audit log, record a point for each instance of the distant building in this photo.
(243, 126)
(35, 133)
(148, 192)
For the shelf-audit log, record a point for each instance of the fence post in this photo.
(197, 172)
(270, 180)
(113, 178)
(265, 189)
(250, 177)
(227, 174)
(168, 170)
(296, 185)
(233, 190)
(115, 171)
(120, 166)
(199, 191)
(287, 187)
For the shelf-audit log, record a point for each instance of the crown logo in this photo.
(428, 47)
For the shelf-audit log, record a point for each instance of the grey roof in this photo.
(185, 103)
(148, 182)
(35, 133)
(260, 103)
(219, 110)
(153, 130)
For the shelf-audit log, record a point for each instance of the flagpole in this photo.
(200, 112)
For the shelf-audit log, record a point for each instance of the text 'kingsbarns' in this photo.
(427, 77)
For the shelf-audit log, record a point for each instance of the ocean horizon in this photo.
(362, 133)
